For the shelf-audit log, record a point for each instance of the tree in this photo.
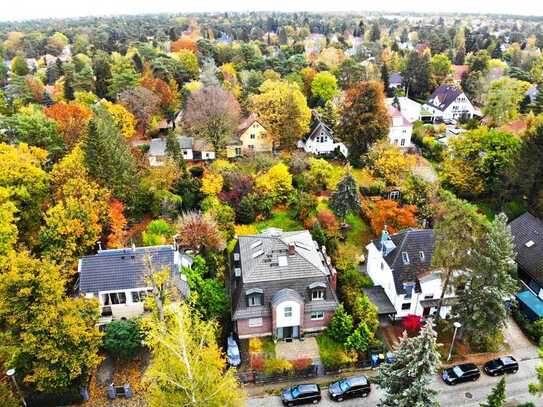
(406, 380)
(108, 158)
(72, 120)
(123, 76)
(350, 72)
(8, 227)
(456, 232)
(388, 162)
(188, 64)
(363, 118)
(101, 64)
(188, 367)
(324, 86)
(51, 340)
(503, 99)
(345, 199)
(19, 66)
(212, 113)
(488, 283)
(341, 325)
(283, 110)
(158, 232)
(142, 103)
(183, 43)
(117, 224)
(122, 338)
(441, 67)
(124, 119)
(361, 338)
(497, 397)
(276, 182)
(416, 74)
(200, 232)
(390, 213)
(385, 77)
(56, 43)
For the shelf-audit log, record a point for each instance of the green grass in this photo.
(360, 233)
(282, 219)
(268, 347)
(332, 353)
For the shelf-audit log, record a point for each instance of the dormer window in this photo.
(405, 258)
(317, 291)
(408, 288)
(529, 243)
(254, 297)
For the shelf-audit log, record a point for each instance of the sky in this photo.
(30, 9)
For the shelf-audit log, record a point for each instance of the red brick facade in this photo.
(317, 325)
(246, 331)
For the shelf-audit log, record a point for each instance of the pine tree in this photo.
(489, 281)
(406, 380)
(385, 77)
(345, 198)
(538, 102)
(497, 397)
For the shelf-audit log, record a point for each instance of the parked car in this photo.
(461, 373)
(233, 358)
(349, 387)
(301, 394)
(499, 366)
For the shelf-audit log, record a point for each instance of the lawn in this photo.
(282, 219)
(360, 233)
(333, 354)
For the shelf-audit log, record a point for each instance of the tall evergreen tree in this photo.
(102, 70)
(385, 78)
(108, 157)
(416, 74)
(345, 198)
(489, 282)
(497, 397)
(538, 102)
(406, 380)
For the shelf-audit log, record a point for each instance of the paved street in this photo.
(469, 394)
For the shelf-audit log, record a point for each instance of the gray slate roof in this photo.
(443, 96)
(411, 241)
(124, 269)
(524, 229)
(317, 125)
(379, 298)
(157, 146)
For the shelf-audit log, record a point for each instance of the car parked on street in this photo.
(500, 366)
(301, 394)
(233, 357)
(466, 372)
(349, 387)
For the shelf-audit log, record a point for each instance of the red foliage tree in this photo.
(184, 43)
(200, 232)
(328, 220)
(412, 323)
(257, 363)
(161, 89)
(390, 213)
(117, 224)
(72, 120)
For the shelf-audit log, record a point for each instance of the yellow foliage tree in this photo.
(276, 182)
(212, 183)
(122, 118)
(389, 162)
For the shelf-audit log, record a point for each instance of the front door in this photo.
(287, 332)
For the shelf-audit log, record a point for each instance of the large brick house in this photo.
(282, 284)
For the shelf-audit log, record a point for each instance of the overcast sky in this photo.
(29, 9)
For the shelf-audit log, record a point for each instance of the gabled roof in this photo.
(444, 96)
(265, 257)
(394, 113)
(411, 242)
(525, 230)
(157, 146)
(124, 269)
(245, 124)
(317, 125)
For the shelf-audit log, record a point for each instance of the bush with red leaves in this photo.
(412, 322)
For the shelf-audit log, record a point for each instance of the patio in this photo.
(295, 350)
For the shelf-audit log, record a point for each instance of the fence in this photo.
(254, 377)
(68, 397)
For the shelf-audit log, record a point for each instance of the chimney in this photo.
(99, 243)
(133, 248)
(333, 278)
(291, 250)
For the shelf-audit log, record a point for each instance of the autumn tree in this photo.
(143, 104)
(50, 339)
(389, 162)
(212, 113)
(416, 74)
(441, 68)
(200, 232)
(276, 182)
(324, 86)
(117, 225)
(72, 120)
(122, 118)
(363, 119)
(188, 368)
(283, 110)
(345, 199)
(183, 43)
(390, 213)
(8, 227)
(503, 99)
(123, 76)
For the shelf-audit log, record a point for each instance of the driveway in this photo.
(306, 349)
(521, 347)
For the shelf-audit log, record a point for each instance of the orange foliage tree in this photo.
(117, 225)
(184, 43)
(167, 93)
(328, 220)
(72, 120)
(390, 213)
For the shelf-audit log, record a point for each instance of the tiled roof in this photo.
(525, 229)
(443, 96)
(124, 269)
(264, 257)
(412, 242)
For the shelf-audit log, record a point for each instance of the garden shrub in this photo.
(196, 171)
(275, 366)
(257, 363)
(255, 345)
(412, 323)
(301, 364)
(333, 354)
(341, 325)
(123, 338)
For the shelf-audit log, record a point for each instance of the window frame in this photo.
(315, 294)
(259, 322)
(317, 315)
(287, 312)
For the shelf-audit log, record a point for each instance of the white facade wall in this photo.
(321, 144)
(283, 321)
(400, 136)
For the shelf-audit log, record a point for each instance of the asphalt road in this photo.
(467, 394)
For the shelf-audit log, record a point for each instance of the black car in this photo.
(466, 372)
(496, 367)
(233, 356)
(301, 394)
(349, 387)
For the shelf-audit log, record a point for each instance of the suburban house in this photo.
(527, 231)
(118, 278)
(321, 139)
(401, 128)
(449, 103)
(410, 109)
(282, 284)
(405, 283)
(251, 137)
(157, 150)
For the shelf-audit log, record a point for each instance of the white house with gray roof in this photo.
(118, 278)
(157, 150)
(449, 103)
(282, 284)
(405, 282)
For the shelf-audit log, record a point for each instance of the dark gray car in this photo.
(349, 387)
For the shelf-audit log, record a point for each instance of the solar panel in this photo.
(256, 244)
(258, 253)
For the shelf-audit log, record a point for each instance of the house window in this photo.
(396, 141)
(253, 136)
(395, 195)
(139, 296)
(238, 151)
(114, 298)
(402, 143)
(317, 294)
(382, 265)
(421, 255)
(288, 312)
(408, 288)
(254, 300)
(254, 322)
(317, 316)
(251, 147)
(429, 296)
(406, 306)
(185, 152)
(405, 257)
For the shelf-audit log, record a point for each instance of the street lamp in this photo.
(456, 326)
(11, 374)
